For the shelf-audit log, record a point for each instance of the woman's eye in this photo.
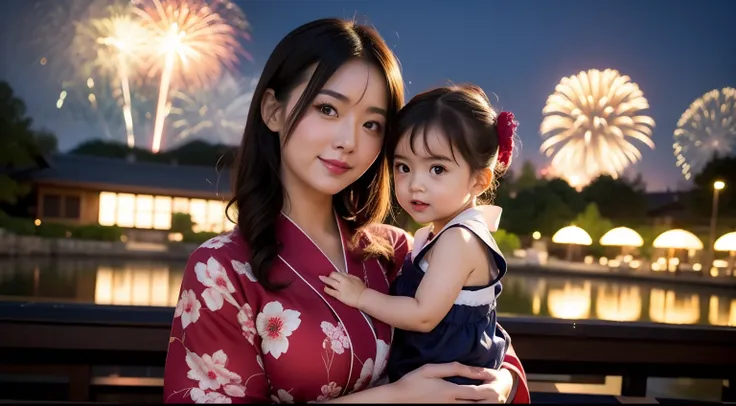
(326, 109)
(373, 126)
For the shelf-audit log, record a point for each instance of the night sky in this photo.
(516, 50)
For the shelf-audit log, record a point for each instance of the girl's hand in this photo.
(425, 385)
(344, 287)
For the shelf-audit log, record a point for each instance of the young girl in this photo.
(449, 147)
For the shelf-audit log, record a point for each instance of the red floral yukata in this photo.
(234, 342)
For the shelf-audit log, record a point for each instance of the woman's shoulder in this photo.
(224, 245)
(400, 242)
(227, 251)
(397, 237)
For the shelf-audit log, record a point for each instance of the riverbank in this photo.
(12, 245)
(565, 268)
(15, 246)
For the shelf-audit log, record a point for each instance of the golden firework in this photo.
(706, 128)
(117, 43)
(191, 43)
(589, 123)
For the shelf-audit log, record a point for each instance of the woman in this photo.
(311, 187)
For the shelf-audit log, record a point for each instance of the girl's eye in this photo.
(402, 168)
(326, 109)
(437, 170)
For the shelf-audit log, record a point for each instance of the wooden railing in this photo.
(68, 340)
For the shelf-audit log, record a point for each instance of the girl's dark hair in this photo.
(258, 193)
(464, 115)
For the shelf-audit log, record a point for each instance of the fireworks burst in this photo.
(76, 38)
(707, 127)
(218, 113)
(191, 43)
(137, 53)
(589, 123)
(115, 44)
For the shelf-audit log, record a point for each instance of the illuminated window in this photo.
(162, 213)
(233, 213)
(154, 212)
(198, 211)
(144, 211)
(181, 205)
(126, 210)
(108, 209)
(229, 225)
(215, 215)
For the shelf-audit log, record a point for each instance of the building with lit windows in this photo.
(132, 195)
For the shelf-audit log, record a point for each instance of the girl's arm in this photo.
(453, 258)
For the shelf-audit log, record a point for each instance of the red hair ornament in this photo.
(505, 127)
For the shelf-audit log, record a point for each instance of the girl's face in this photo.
(433, 188)
(340, 135)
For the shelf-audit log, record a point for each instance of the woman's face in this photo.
(340, 134)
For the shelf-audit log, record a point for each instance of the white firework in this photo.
(590, 122)
(213, 114)
(706, 128)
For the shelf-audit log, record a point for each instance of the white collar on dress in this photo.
(491, 215)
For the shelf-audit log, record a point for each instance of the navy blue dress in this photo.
(468, 333)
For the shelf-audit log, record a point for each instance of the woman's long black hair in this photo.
(258, 192)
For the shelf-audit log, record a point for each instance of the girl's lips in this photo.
(419, 205)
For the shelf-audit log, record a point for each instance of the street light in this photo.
(717, 187)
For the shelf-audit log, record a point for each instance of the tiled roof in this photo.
(80, 169)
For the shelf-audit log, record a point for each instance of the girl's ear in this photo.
(482, 181)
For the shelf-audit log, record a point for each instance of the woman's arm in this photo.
(519, 392)
(211, 356)
(425, 385)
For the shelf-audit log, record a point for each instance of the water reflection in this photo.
(151, 283)
(138, 283)
(618, 303)
(568, 297)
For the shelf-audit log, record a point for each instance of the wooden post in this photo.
(634, 385)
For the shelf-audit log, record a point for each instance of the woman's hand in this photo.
(425, 385)
(499, 386)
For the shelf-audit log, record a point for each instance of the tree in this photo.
(527, 178)
(620, 199)
(507, 242)
(114, 149)
(595, 225)
(546, 207)
(20, 145)
(195, 152)
(700, 202)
